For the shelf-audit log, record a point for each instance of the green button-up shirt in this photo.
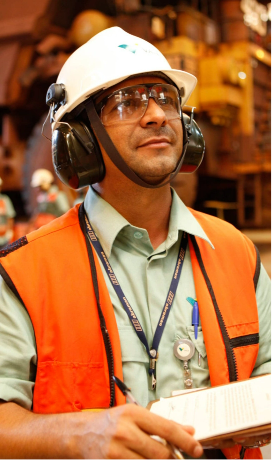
(145, 275)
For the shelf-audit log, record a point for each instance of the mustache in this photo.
(163, 131)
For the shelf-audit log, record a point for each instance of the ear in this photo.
(77, 157)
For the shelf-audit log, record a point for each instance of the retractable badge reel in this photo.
(184, 350)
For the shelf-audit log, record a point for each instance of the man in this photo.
(110, 279)
(51, 202)
(7, 214)
(50, 199)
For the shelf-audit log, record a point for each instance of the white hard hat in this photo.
(41, 177)
(108, 58)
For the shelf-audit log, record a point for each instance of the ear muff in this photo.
(195, 149)
(76, 155)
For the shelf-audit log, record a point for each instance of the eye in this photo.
(128, 105)
(166, 100)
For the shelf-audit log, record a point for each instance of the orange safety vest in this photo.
(50, 271)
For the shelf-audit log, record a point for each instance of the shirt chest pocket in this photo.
(199, 346)
(131, 347)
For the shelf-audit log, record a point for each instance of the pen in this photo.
(195, 315)
(126, 392)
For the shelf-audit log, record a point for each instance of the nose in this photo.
(154, 115)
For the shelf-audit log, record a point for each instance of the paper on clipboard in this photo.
(221, 410)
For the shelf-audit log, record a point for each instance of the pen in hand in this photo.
(126, 392)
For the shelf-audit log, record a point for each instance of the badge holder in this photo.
(152, 368)
(184, 350)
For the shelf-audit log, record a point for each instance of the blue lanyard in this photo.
(153, 353)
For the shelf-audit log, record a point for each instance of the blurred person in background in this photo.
(51, 202)
(7, 214)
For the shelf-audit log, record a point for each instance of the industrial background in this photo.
(226, 44)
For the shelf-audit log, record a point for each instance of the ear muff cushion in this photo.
(195, 148)
(185, 134)
(76, 155)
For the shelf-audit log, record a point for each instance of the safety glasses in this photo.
(128, 105)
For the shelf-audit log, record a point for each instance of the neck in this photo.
(141, 207)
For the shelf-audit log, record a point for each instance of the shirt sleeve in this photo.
(18, 356)
(263, 296)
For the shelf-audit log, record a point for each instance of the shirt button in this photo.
(138, 235)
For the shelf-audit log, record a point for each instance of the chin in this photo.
(152, 176)
(154, 180)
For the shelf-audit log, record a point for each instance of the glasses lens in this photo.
(129, 104)
(167, 98)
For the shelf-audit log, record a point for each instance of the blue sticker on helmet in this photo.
(128, 47)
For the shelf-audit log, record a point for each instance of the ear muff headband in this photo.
(115, 156)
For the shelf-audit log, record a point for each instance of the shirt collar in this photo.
(107, 222)
(181, 218)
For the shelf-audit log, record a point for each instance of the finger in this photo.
(175, 434)
(189, 429)
(169, 430)
(123, 432)
(119, 451)
(130, 436)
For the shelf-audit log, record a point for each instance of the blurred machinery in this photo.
(225, 43)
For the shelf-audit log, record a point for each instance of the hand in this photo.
(125, 432)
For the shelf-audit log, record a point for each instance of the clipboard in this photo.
(261, 431)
